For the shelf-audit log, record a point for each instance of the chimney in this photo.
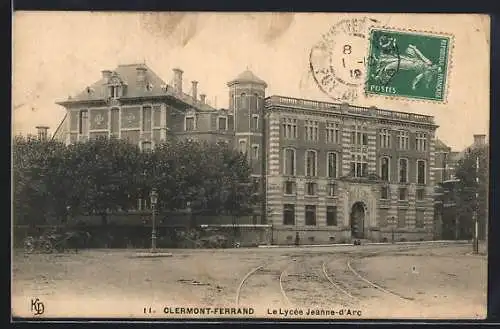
(141, 74)
(202, 98)
(42, 132)
(178, 80)
(479, 139)
(106, 74)
(194, 89)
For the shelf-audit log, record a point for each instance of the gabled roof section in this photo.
(249, 77)
(125, 75)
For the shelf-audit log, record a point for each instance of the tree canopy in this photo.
(52, 180)
(466, 173)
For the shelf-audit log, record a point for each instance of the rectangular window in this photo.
(403, 170)
(419, 219)
(331, 189)
(421, 172)
(332, 165)
(385, 138)
(359, 135)
(403, 140)
(243, 146)
(157, 116)
(146, 118)
(190, 124)
(84, 123)
(289, 127)
(420, 194)
(310, 188)
(311, 130)
(255, 121)
(403, 194)
(288, 214)
(401, 218)
(384, 169)
(311, 161)
(359, 165)
(421, 142)
(115, 122)
(331, 216)
(289, 162)
(289, 188)
(255, 151)
(384, 193)
(332, 132)
(310, 215)
(222, 123)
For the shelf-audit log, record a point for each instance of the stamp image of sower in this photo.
(408, 64)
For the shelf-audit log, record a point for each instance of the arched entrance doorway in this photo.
(358, 220)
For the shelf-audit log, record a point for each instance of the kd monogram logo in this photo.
(37, 306)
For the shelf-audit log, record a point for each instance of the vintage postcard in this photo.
(279, 166)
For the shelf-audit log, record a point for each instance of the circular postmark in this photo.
(338, 61)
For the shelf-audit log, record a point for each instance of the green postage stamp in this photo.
(408, 64)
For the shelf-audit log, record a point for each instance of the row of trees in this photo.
(52, 180)
(475, 163)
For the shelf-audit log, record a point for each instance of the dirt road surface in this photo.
(354, 282)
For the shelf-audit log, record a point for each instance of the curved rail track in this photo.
(348, 283)
(265, 271)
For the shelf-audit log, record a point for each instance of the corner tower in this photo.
(247, 93)
(246, 103)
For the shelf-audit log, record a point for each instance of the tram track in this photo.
(327, 283)
(253, 288)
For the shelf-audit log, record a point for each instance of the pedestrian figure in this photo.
(297, 238)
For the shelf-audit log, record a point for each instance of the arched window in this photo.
(403, 170)
(385, 168)
(289, 162)
(311, 163)
(243, 101)
(421, 171)
(332, 165)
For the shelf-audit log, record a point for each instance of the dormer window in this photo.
(149, 86)
(114, 91)
(90, 91)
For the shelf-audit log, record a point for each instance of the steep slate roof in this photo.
(247, 76)
(440, 145)
(127, 73)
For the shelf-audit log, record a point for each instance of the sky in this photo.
(57, 54)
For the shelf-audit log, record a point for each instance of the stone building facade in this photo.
(328, 172)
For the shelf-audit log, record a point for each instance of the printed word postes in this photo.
(37, 307)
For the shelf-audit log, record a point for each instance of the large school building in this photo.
(328, 171)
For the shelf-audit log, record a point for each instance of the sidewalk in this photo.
(369, 244)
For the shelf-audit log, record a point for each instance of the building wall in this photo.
(347, 191)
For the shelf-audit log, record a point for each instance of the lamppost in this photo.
(476, 204)
(154, 200)
(68, 214)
